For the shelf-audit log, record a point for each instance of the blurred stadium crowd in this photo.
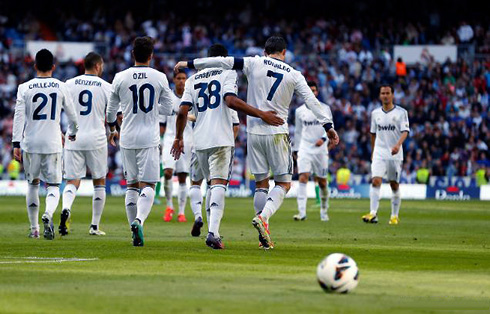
(448, 102)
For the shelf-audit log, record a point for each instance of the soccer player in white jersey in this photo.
(311, 146)
(90, 95)
(212, 92)
(37, 132)
(271, 85)
(389, 129)
(181, 166)
(142, 93)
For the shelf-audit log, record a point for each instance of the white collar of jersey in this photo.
(394, 106)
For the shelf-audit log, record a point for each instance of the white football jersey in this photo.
(143, 93)
(271, 85)
(308, 130)
(170, 122)
(90, 95)
(37, 115)
(388, 127)
(205, 92)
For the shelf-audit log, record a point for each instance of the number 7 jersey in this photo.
(142, 94)
(90, 95)
(37, 115)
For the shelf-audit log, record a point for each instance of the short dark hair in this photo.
(179, 71)
(274, 44)
(44, 60)
(387, 85)
(217, 50)
(312, 83)
(143, 48)
(91, 59)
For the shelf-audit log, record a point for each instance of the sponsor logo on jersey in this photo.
(309, 123)
(389, 127)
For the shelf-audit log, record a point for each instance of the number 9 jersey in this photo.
(37, 115)
(90, 95)
(142, 94)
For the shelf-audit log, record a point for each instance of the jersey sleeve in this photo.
(19, 117)
(405, 126)
(373, 124)
(70, 112)
(234, 117)
(226, 63)
(187, 97)
(298, 129)
(322, 115)
(165, 101)
(114, 101)
(106, 89)
(230, 84)
(248, 64)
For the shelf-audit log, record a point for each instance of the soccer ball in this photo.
(337, 273)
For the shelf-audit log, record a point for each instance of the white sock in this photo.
(145, 202)
(182, 198)
(196, 200)
(302, 199)
(98, 202)
(131, 202)
(208, 199)
(69, 194)
(52, 199)
(260, 197)
(32, 202)
(274, 201)
(167, 187)
(395, 203)
(374, 195)
(217, 207)
(324, 199)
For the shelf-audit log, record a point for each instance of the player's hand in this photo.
(271, 117)
(180, 65)
(319, 142)
(191, 117)
(333, 136)
(177, 148)
(112, 137)
(72, 137)
(17, 154)
(395, 149)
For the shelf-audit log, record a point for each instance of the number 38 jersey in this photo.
(37, 115)
(90, 95)
(205, 92)
(142, 94)
(271, 85)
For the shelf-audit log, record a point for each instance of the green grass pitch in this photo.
(438, 258)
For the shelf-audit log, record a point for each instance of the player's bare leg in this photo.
(374, 201)
(168, 187)
(98, 203)
(395, 203)
(182, 195)
(302, 198)
(69, 194)
(217, 207)
(195, 196)
(322, 183)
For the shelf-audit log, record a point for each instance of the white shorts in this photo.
(141, 165)
(196, 173)
(75, 163)
(179, 166)
(313, 163)
(387, 169)
(46, 167)
(270, 152)
(213, 163)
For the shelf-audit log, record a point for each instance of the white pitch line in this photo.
(34, 259)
